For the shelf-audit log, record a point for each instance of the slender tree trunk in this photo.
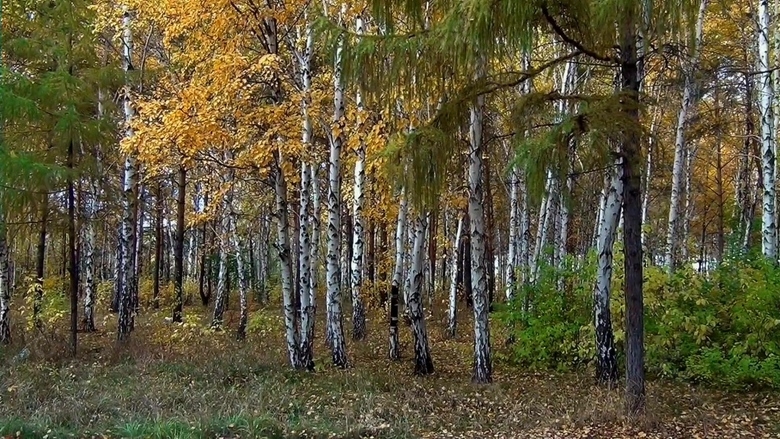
(514, 244)
(689, 201)
(689, 70)
(88, 322)
(632, 224)
(400, 236)
(606, 358)
(423, 364)
(237, 246)
(768, 152)
(358, 236)
(285, 259)
(719, 179)
(335, 319)
(314, 249)
(452, 315)
(73, 256)
(220, 301)
(178, 259)
(127, 269)
(5, 287)
(483, 368)
(304, 260)
(158, 236)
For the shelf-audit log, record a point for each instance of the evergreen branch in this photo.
(576, 44)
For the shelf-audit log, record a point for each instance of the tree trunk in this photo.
(632, 224)
(483, 367)
(125, 322)
(178, 249)
(220, 301)
(304, 260)
(73, 256)
(689, 70)
(452, 315)
(768, 165)
(514, 244)
(606, 359)
(335, 324)
(158, 248)
(423, 364)
(5, 287)
(237, 246)
(400, 236)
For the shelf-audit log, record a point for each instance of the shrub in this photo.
(720, 328)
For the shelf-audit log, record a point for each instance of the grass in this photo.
(180, 381)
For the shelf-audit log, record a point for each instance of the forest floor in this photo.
(181, 381)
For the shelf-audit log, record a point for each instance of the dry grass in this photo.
(171, 381)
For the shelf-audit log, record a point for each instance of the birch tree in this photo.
(606, 358)
(400, 237)
(335, 324)
(358, 310)
(423, 363)
(452, 313)
(768, 152)
(690, 66)
(127, 246)
(482, 364)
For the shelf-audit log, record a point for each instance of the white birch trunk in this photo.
(358, 310)
(398, 269)
(452, 314)
(237, 246)
(127, 268)
(514, 244)
(314, 223)
(606, 360)
(304, 260)
(688, 210)
(768, 153)
(482, 363)
(335, 323)
(89, 238)
(525, 229)
(225, 250)
(689, 69)
(423, 364)
(285, 260)
(648, 176)
(545, 213)
(309, 230)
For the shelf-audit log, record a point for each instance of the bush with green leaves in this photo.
(719, 328)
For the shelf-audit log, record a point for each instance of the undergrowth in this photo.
(720, 328)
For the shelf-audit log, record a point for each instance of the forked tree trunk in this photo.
(606, 359)
(423, 364)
